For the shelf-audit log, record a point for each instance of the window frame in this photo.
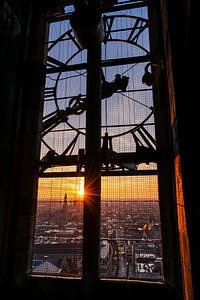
(46, 284)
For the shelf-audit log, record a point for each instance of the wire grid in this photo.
(59, 227)
(131, 245)
(130, 220)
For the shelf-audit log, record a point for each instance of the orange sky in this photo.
(113, 188)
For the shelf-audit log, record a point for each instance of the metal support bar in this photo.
(92, 171)
(107, 153)
(110, 173)
(107, 63)
(104, 9)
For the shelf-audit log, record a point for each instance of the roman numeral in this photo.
(143, 138)
(49, 93)
(139, 26)
(69, 33)
(53, 62)
(64, 37)
(108, 23)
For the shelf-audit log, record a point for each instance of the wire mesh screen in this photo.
(130, 245)
(59, 227)
(59, 219)
(130, 241)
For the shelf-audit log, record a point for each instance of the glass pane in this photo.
(130, 245)
(59, 227)
(130, 241)
(58, 236)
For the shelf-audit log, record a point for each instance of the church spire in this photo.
(65, 202)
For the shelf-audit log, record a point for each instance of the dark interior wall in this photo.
(11, 30)
(189, 117)
(180, 57)
(168, 214)
(22, 69)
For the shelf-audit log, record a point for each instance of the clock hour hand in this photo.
(120, 83)
(52, 120)
(76, 106)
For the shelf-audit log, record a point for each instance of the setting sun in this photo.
(81, 190)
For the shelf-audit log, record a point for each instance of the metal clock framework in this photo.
(128, 145)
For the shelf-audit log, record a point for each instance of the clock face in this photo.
(127, 125)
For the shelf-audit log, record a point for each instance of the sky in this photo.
(113, 188)
(121, 109)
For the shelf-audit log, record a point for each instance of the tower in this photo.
(65, 207)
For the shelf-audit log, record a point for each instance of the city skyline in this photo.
(129, 241)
